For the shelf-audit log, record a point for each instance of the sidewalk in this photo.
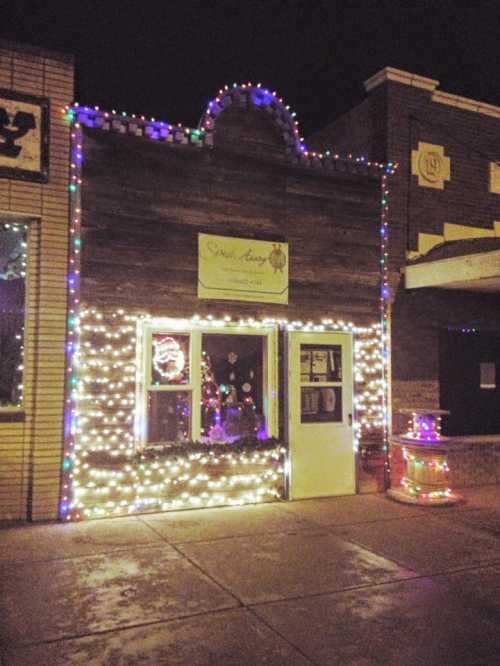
(350, 580)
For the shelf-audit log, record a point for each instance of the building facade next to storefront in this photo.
(34, 143)
(445, 242)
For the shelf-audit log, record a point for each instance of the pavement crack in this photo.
(223, 587)
(251, 610)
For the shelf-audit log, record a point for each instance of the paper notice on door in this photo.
(319, 362)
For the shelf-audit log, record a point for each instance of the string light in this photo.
(433, 464)
(72, 339)
(241, 96)
(104, 415)
(424, 452)
(385, 298)
(418, 493)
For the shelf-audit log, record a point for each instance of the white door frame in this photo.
(320, 436)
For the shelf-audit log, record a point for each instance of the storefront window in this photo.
(169, 393)
(12, 312)
(169, 416)
(232, 395)
(204, 386)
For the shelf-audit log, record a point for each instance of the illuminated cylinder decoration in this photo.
(425, 458)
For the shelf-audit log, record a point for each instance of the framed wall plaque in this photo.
(24, 137)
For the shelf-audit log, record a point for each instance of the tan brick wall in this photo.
(30, 451)
(412, 394)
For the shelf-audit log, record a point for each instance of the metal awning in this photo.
(469, 265)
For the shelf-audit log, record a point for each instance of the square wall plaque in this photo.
(24, 137)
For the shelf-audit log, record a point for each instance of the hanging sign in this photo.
(241, 269)
(24, 137)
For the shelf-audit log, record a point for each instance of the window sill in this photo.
(12, 415)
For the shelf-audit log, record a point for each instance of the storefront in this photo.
(226, 312)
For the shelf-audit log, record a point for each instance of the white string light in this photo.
(105, 411)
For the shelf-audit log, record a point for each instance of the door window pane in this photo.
(487, 375)
(232, 387)
(320, 363)
(321, 404)
(169, 416)
(169, 359)
(12, 312)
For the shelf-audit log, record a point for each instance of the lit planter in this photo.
(425, 454)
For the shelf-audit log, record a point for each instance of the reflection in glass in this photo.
(487, 373)
(321, 404)
(12, 312)
(169, 416)
(320, 363)
(232, 395)
(169, 359)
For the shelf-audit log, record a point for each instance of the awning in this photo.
(472, 265)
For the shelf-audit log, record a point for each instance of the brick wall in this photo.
(31, 440)
(470, 139)
(388, 125)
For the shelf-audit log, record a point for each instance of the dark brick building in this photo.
(444, 235)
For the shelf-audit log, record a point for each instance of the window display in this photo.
(223, 373)
(169, 416)
(232, 387)
(170, 359)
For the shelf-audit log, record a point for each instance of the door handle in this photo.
(349, 419)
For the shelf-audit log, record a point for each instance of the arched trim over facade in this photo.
(243, 96)
(248, 96)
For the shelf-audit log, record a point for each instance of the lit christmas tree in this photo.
(211, 427)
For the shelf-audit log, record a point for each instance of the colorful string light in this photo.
(244, 95)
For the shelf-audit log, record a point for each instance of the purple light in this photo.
(262, 433)
(261, 97)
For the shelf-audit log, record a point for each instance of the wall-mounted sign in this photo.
(241, 269)
(24, 137)
(430, 165)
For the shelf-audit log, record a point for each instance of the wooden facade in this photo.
(31, 437)
(147, 192)
(140, 194)
(144, 203)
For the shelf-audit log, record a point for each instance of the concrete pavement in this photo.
(349, 580)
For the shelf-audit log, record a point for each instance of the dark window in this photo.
(13, 244)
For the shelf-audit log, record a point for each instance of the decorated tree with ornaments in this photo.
(210, 402)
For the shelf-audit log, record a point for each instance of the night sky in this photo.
(168, 62)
